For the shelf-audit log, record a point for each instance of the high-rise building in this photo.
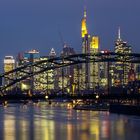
(94, 66)
(66, 74)
(85, 50)
(23, 59)
(31, 57)
(52, 74)
(104, 71)
(90, 71)
(42, 82)
(9, 64)
(46, 78)
(121, 69)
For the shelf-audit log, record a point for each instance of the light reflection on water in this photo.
(44, 122)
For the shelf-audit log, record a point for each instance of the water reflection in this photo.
(9, 124)
(44, 122)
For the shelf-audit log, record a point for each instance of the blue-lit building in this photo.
(31, 56)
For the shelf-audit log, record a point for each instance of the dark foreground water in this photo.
(41, 121)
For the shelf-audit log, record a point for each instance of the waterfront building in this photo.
(121, 69)
(52, 74)
(90, 45)
(77, 79)
(66, 74)
(46, 78)
(104, 71)
(94, 66)
(9, 64)
(43, 82)
(23, 59)
(31, 57)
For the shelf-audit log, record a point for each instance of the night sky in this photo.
(43, 24)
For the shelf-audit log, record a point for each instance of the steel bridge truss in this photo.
(64, 61)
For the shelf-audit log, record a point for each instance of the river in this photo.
(41, 121)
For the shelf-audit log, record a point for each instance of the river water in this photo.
(41, 121)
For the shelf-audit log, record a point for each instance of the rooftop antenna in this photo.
(119, 33)
(85, 12)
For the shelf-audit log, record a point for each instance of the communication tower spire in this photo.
(85, 12)
(119, 33)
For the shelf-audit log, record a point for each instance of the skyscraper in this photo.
(85, 50)
(104, 71)
(43, 82)
(90, 75)
(52, 74)
(67, 73)
(121, 69)
(23, 59)
(46, 78)
(94, 66)
(9, 64)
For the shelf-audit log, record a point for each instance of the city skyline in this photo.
(27, 25)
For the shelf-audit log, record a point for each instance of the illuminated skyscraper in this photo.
(9, 64)
(41, 82)
(66, 74)
(46, 78)
(94, 66)
(85, 50)
(52, 74)
(31, 57)
(104, 71)
(90, 76)
(121, 69)
(23, 59)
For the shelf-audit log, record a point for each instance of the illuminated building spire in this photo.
(84, 30)
(85, 12)
(119, 33)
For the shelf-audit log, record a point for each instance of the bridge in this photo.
(64, 61)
